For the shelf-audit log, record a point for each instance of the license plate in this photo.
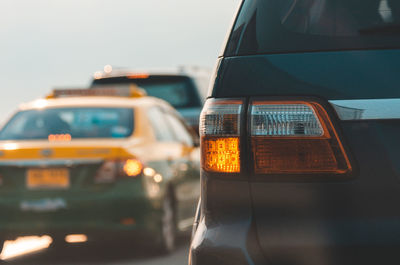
(47, 178)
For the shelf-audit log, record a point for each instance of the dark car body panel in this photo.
(225, 222)
(351, 221)
(329, 223)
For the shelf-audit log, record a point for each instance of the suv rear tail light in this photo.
(286, 138)
(220, 135)
(295, 138)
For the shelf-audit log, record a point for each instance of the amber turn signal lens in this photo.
(221, 154)
(220, 132)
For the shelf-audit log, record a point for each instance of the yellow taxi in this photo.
(98, 163)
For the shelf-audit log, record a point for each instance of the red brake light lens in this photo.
(111, 170)
(295, 138)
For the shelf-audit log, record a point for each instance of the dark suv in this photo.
(300, 137)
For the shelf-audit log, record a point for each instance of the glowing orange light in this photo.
(60, 137)
(131, 91)
(128, 221)
(133, 167)
(79, 238)
(138, 76)
(221, 155)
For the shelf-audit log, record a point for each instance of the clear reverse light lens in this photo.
(285, 120)
(220, 119)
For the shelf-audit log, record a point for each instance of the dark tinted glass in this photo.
(366, 74)
(273, 26)
(179, 91)
(77, 122)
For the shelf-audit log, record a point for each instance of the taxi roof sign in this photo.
(131, 91)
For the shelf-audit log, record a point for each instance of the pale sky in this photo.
(53, 43)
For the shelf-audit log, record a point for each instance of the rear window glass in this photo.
(74, 122)
(270, 26)
(179, 91)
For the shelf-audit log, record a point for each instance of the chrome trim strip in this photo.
(367, 109)
(49, 163)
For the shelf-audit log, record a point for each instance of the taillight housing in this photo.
(276, 138)
(111, 170)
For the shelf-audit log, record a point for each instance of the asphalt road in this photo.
(102, 254)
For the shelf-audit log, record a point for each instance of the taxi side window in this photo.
(160, 126)
(181, 133)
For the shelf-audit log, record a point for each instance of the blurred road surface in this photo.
(17, 253)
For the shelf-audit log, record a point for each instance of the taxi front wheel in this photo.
(168, 226)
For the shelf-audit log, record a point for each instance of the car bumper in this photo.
(232, 243)
(116, 211)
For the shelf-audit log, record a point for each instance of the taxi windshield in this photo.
(75, 122)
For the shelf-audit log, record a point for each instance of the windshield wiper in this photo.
(389, 29)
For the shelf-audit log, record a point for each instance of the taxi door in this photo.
(179, 160)
(187, 181)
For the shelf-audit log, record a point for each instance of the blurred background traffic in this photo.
(62, 43)
(103, 153)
